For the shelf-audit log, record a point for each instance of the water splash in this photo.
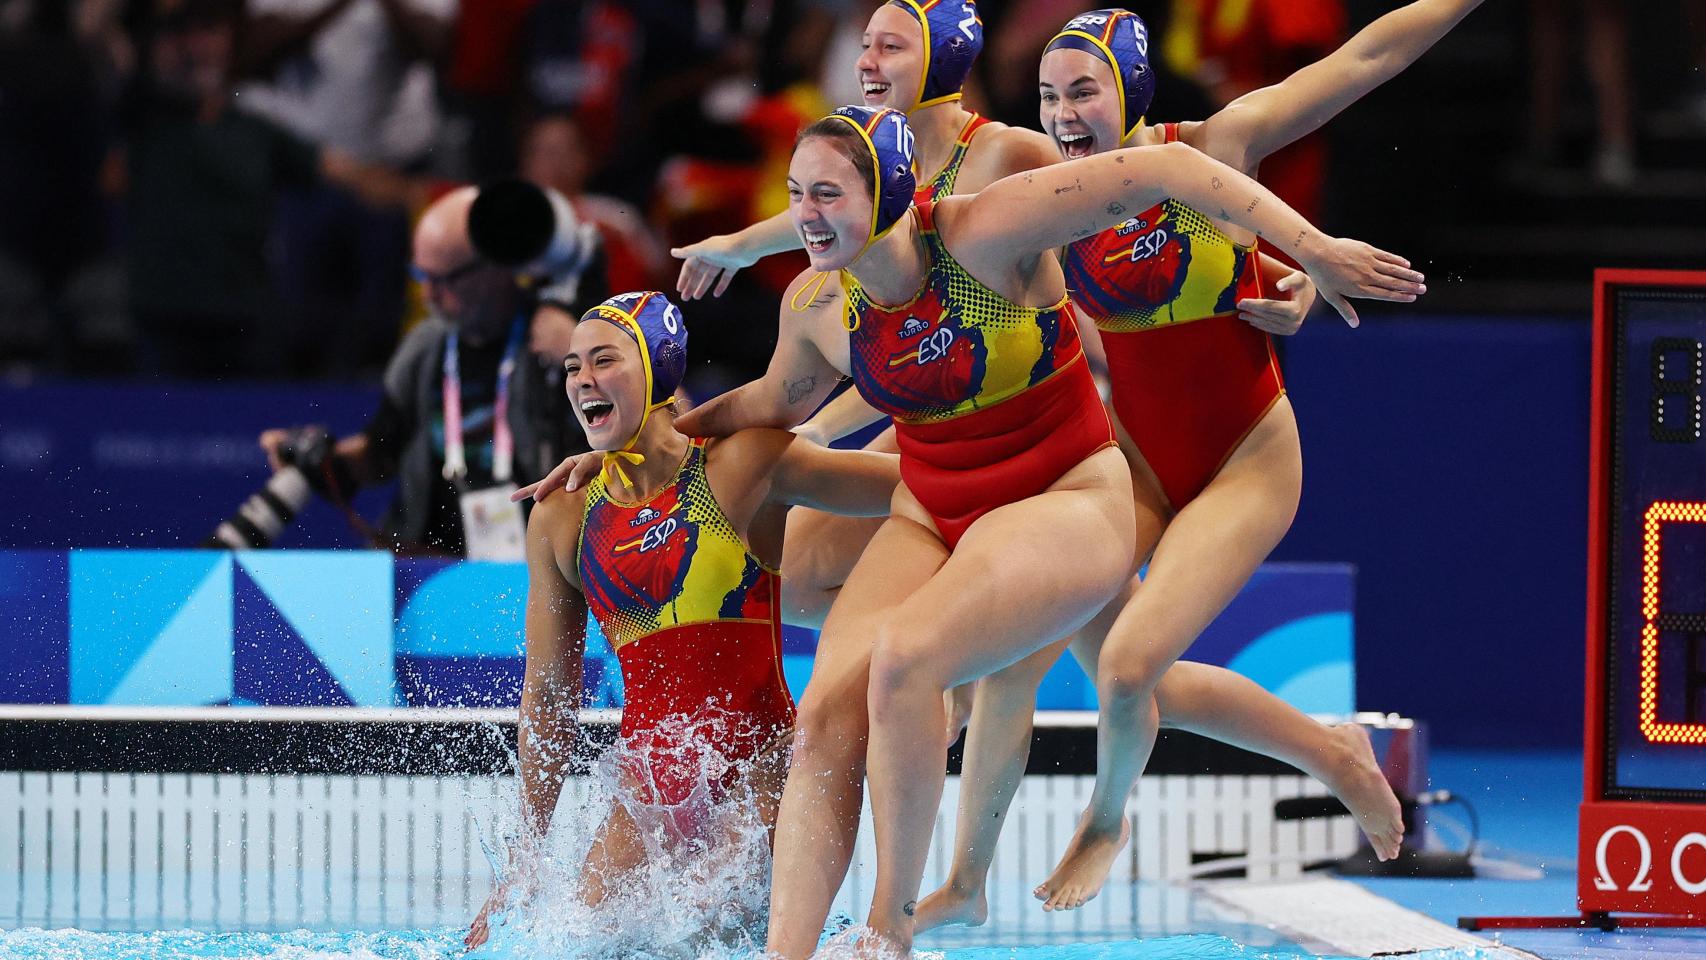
(666, 854)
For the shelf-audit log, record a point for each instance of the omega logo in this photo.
(1643, 879)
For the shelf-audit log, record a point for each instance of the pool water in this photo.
(33, 944)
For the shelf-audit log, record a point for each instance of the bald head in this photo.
(442, 234)
(480, 298)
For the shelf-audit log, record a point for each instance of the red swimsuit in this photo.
(1190, 379)
(992, 402)
(693, 617)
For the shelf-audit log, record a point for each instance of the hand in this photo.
(571, 474)
(272, 441)
(1344, 268)
(713, 260)
(959, 703)
(1281, 317)
(480, 930)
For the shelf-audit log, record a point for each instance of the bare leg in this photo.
(979, 613)
(1608, 64)
(818, 553)
(613, 856)
(1546, 77)
(1232, 708)
(819, 816)
(998, 744)
(1208, 553)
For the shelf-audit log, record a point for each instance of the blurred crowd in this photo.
(225, 188)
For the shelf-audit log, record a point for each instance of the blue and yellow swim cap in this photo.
(657, 326)
(953, 37)
(1120, 38)
(889, 138)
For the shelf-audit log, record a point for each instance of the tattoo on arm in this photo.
(800, 389)
(1216, 182)
(1119, 158)
(1115, 209)
(1253, 205)
(1301, 234)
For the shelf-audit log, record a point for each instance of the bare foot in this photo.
(1355, 778)
(958, 704)
(1082, 871)
(951, 906)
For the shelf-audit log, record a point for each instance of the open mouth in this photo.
(818, 241)
(597, 412)
(1076, 145)
(876, 91)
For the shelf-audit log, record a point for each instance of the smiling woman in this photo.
(673, 547)
(945, 315)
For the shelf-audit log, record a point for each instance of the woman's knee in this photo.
(1130, 671)
(906, 661)
(829, 721)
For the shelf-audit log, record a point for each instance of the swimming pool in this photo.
(161, 852)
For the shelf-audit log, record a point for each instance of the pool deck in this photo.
(1526, 804)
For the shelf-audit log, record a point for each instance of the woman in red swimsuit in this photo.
(673, 548)
(953, 318)
(1208, 433)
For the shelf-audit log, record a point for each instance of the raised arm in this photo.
(853, 483)
(1262, 121)
(797, 381)
(716, 260)
(1016, 219)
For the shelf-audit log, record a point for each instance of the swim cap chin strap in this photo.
(613, 458)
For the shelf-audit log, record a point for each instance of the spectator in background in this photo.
(202, 180)
(461, 388)
(355, 76)
(554, 154)
(56, 85)
(1605, 36)
(1231, 47)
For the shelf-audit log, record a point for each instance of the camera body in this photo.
(310, 468)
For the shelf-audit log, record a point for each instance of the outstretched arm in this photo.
(716, 260)
(1262, 121)
(853, 483)
(1018, 218)
(797, 381)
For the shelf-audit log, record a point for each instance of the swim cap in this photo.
(1120, 38)
(953, 37)
(889, 138)
(656, 325)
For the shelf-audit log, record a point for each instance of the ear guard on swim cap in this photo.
(953, 37)
(889, 138)
(1120, 38)
(656, 325)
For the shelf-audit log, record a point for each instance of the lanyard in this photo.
(503, 442)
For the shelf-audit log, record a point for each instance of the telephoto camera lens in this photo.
(265, 514)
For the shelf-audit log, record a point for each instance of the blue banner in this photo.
(362, 628)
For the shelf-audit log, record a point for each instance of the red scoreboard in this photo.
(1643, 815)
(1641, 858)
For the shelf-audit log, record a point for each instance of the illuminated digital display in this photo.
(1655, 536)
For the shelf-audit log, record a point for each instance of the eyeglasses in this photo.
(447, 278)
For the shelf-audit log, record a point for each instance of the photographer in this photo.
(473, 396)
